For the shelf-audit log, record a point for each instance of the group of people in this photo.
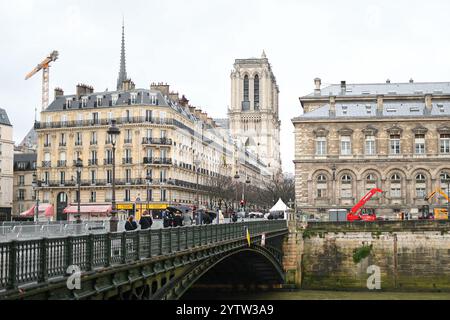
(172, 219)
(146, 222)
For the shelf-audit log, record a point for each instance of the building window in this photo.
(149, 195)
(153, 99)
(346, 186)
(114, 99)
(84, 102)
(246, 86)
(321, 146)
(133, 97)
(419, 144)
(163, 195)
(109, 176)
(99, 101)
(256, 92)
(62, 177)
(93, 197)
(370, 145)
(445, 181)
(93, 176)
(396, 191)
(420, 186)
(128, 176)
(321, 186)
(346, 146)
(21, 180)
(93, 138)
(78, 138)
(148, 115)
(127, 195)
(445, 143)
(394, 143)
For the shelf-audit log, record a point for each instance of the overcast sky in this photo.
(192, 45)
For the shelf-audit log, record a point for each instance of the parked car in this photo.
(256, 214)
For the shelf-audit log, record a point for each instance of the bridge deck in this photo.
(31, 262)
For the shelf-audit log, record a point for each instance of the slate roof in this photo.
(418, 88)
(390, 109)
(4, 118)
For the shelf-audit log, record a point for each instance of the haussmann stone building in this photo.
(354, 137)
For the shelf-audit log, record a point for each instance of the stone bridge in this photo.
(148, 264)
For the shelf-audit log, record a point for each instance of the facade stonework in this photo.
(6, 165)
(367, 136)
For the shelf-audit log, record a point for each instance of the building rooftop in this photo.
(390, 109)
(4, 118)
(362, 89)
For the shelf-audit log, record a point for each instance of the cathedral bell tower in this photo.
(253, 114)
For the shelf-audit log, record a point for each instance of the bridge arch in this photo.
(253, 265)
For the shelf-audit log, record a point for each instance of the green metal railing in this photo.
(36, 261)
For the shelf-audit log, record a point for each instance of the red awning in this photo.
(44, 209)
(87, 209)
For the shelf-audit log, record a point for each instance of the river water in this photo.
(327, 295)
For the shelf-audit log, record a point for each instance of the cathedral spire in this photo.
(123, 68)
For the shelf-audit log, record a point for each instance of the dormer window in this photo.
(114, 99)
(133, 97)
(68, 102)
(99, 101)
(153, 99)
(84, 102)
(344, 110)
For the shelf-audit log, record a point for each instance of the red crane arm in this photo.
(364, 199)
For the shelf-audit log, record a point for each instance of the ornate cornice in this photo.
(420, 130)
(321, 132)
(395, 129)
(345, 131)
(370, 131)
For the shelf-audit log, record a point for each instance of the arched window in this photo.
(370, 178)
(346, 178)
(321, 186)
(245, 103)
(445, 177)
(420, 186)
(445, 182)
(346, 186)
(256, 92)
(396, 191)
(420, 178)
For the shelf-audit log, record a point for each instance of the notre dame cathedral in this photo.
(253, 113)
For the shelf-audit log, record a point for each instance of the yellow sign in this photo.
(124, 206)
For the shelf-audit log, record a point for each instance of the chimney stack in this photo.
(59, 92)
(380, 105)
(83, 89)
(428, 103)
(317, 83)
(332, 107)
(161, 87)
(343, 87)
(128, 85)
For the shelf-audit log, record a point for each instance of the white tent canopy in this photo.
(280, 206)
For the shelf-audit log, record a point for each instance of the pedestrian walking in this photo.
(131, 225)
(178, 219)
(146, 221)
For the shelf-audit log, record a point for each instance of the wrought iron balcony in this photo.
(46, 164)
(62, 163)
(47, 144)
(161, 141)
(108, 161)
(93, 162)
(62, 144)
(164, 161)
(128, 141)
(127, 160)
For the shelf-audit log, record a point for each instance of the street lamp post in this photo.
(36, 184)
(113, 132)
(79, 166)
(197, 163)
(247, 181)
(148, 178)
(236, 177)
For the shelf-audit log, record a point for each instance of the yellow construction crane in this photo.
(44, 66)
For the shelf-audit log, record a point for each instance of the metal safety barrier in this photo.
(37, 260)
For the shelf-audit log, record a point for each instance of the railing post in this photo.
(187, 238)
(43, 274)
(69, 251)
(138, 244)
(200, 235)
(90, 252)
(170, 239)
(161, 242)
(149, 243)
(12, 264)
(179, 238)
(108, 249)
(123, 243)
